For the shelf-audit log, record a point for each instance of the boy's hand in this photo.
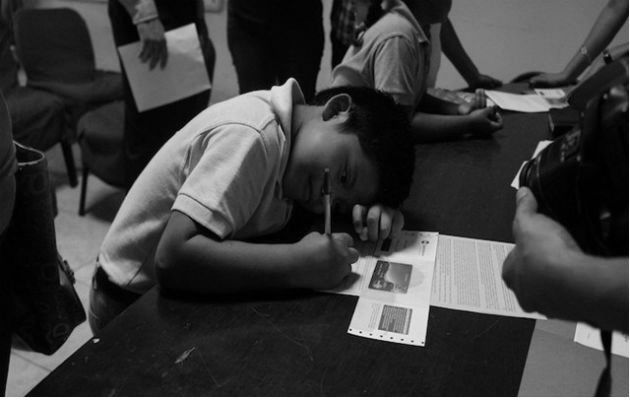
(485, 121)
(479, 101)
(326, 258)
(376, 222)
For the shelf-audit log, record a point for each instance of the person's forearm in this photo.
(455, 52)
(435, 105)
(202, 265)
(599, 288)
(140, 10)
(609, 21)
(434, 127)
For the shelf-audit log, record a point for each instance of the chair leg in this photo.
(86, 172)
(66, 147)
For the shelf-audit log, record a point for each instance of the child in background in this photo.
(393, 56)
(236, 172)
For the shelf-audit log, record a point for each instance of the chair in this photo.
(55, 51)
(100, 135)
(40, 121)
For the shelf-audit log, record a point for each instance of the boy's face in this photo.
(320, 144)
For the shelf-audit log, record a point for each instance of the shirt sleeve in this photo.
(396, 70)
(228, 172)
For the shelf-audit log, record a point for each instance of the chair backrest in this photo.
(53, 44)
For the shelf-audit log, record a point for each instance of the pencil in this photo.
(326, 189)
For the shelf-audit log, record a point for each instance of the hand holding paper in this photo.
(183, 75)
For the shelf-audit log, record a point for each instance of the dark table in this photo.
(296, 343)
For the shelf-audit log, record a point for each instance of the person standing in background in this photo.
(147, 21)
(271, 41)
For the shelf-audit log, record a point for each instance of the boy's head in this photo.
(363, 137)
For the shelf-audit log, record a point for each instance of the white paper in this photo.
(529, 103)
(539, 147)
(588, 336)
(393, 282)
(556, 98)
(467, 277)
(184, 75)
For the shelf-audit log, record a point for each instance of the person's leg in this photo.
(299, 43)
(39, 118)
(107, 300)
(248, 34)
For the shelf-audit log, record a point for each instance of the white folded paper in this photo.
(184, 75)
(393, 282)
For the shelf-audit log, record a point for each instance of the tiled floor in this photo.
(78, 240)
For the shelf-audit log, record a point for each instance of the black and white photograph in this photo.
(186, 187)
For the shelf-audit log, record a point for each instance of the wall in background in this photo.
(503, 37)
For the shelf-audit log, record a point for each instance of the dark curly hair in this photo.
(382, 127)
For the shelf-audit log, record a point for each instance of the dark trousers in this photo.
(145, 132)
(271, 41)
(107, 300)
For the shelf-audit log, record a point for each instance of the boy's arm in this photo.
(435, 127)
(191, 259)
(453, 49)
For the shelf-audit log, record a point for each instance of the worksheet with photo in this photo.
(393, 281)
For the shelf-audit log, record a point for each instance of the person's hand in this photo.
(485, 121)
(376, 222)
(154, 49)
(478, 101)
(548, 80)
(536, 269)
(484, 82)
(325, 259)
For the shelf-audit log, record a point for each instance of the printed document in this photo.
(184, 75)
(588, 336)
(541, 101)
(393, 281)
(467, 277)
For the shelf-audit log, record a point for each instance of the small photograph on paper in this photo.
(391, 277)
(395, 319)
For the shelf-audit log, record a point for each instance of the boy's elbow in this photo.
(165, 262)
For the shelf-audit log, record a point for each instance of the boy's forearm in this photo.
(206, 266)
(436, 105)
(436, 127)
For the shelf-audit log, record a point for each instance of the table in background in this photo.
(295, 344)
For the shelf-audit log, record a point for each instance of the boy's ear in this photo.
(337, 105)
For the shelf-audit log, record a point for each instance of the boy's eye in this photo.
(344, 177)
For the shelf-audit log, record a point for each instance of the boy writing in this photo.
(236, 172)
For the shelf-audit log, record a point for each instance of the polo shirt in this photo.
(224, 170)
